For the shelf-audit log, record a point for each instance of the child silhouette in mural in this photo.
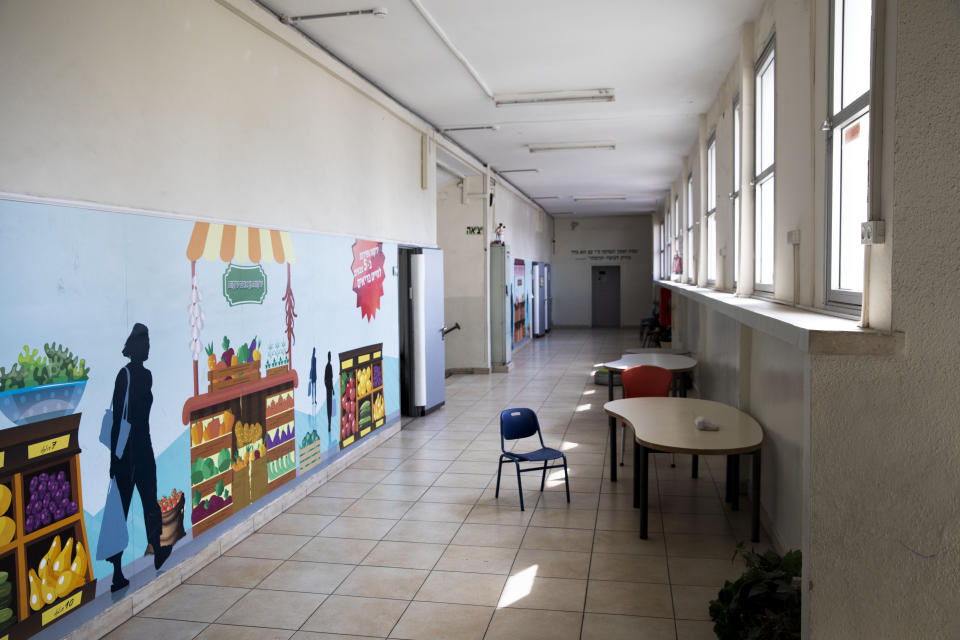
(312, 387)
(137, 467)
(328, 383)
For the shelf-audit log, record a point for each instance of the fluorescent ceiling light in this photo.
(572, 146)
(518, 170)
(586, 198)
(554, 97)
(475, 127)
(546, 197)
(379, 12)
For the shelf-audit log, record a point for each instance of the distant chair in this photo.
(516, 424)
(644, 382)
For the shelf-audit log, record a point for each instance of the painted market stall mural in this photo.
(158, 376)
(522, 312)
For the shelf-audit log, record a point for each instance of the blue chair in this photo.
(516, 424)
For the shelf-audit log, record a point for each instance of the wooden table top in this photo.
(668, 361)
(667, 424)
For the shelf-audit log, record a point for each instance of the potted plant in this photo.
(763, 603)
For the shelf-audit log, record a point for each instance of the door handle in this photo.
(444, 331)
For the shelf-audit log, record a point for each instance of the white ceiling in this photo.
(665, 59)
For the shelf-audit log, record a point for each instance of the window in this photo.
(658, 241)
(712, 209)
(692, 253)
(676, 218)
(764, 180)
(669, 254)
(735, 193)
(848, 148)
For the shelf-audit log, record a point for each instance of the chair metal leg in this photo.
(496, 494)
(543, 479)
(566, 478)
(519, 485)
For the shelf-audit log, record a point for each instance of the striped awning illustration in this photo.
(231, 243)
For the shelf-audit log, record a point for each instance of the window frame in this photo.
(668, 273)
(710, 213)
(844, 300)
(692, 252)
(767, 57)
(735, 201)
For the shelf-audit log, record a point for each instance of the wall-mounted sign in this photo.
(244, 284)
(367, 268)
(474, 231)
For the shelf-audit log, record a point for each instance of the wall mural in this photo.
(522, 311)
(147, 398)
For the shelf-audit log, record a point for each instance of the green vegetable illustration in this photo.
(196, 498)
(59, 365)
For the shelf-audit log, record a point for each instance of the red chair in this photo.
(643, 382)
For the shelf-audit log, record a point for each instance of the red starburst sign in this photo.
(368, 276)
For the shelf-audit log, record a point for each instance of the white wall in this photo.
(529, 229)
(185, 107)
(571, 272)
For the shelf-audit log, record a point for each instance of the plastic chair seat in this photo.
(540, 455)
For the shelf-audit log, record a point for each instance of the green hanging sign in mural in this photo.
(244, 285)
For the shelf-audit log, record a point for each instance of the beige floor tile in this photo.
(336, 550)
(408, 492)
(578, 500)
(339, 489)
(155, 629)
(420, 531)
(617, 502)
(234, 572)
(462, 588)
(525, 590)
(489, 535)
(435, 621)
(438, 512)
(689, 487)
(313, 635)
(299, 524)
(307, 577)
(421, 478)
(688, 545)
(382, 582)
(530, 624)
(231, 632)
(358, 528)
(321, 505)
(597, 626)
(628, 542)
(466, 480)
(268, 545)
(356, 616)
(693, 603)
(476, 559)
(628, 568)
(370, 476)
(695, 630)
(695, 523)
(405, 555)
(434, 466)
(273, 609)
(686, 504)
(364, 508)
(485, 514)
(627, 521)
(194, 603)
(564, 518)
(382, 464)
(629, 598)
(455, 495)
(553, 539)
(469, 466)
(553, 564)
(704, 572)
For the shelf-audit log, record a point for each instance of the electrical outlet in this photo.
(872, 232)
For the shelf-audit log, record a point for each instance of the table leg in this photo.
(755, 524)
(644, 488)
(735, 489)
(636, 474)
(613, 430)
(728, 485)
(695, 472)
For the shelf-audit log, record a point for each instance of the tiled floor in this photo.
(410, 542)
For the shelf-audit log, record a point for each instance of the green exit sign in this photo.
(244, 285)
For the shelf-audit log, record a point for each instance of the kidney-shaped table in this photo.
(668, 424)
(672, 362)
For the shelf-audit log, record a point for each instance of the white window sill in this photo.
(809, 331)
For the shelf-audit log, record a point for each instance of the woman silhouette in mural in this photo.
(328, 383)
(137, 467)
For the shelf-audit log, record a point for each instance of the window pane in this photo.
(712, 247)
(690, 202)
(712, 176)
(676, 216)
(765, 115)
(736, 239)
(764, 224)
(736, 147)
(850, 205)
(855, 69)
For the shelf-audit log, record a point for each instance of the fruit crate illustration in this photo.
(362, 406)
